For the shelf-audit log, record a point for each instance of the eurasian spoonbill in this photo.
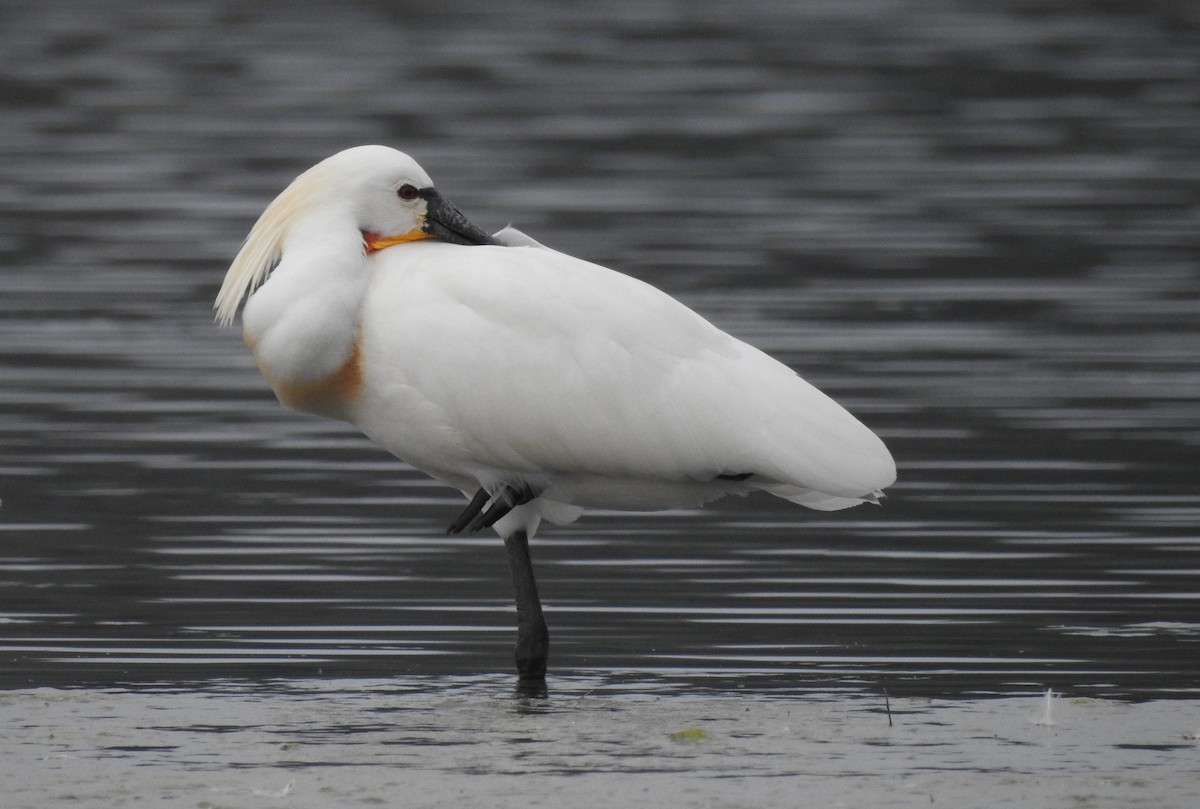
(536, 383)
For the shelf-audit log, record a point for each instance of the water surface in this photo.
(975, 226)
(450, 741)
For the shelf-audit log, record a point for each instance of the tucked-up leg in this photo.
(509, 498)
(474, 518)
(469, 513)
(533, 639)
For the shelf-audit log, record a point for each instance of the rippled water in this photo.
(973, 224)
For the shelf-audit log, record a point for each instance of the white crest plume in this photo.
(264, 244)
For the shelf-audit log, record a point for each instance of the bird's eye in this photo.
(407, 192)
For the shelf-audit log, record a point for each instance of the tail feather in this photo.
(819, 501)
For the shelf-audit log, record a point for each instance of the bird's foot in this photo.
(469, 513)
(475, 518)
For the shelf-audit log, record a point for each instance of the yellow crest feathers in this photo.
(264, 244)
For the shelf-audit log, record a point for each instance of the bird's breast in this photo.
(333, 394)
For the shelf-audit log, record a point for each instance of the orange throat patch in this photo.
(374, 242)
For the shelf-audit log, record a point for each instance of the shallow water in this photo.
(600, 742)
(975, 227)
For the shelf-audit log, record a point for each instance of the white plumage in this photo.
(495, 363)
(598, 389)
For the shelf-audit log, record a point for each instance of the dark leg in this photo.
(469, 513)
(533, 639)
(509, 498)
(474, 518)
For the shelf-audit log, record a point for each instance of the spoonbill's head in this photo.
(375, 195)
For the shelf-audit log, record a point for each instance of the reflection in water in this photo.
(974, 227)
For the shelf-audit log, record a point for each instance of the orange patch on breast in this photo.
(328, 395)
(331, 393)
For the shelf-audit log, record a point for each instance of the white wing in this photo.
(487, 362)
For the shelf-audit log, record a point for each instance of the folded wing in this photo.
(524, 359)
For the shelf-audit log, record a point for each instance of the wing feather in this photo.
(526, 359)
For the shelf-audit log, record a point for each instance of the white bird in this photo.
(536, 383)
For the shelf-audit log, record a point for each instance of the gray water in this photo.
(465, 742)
(974, 224)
